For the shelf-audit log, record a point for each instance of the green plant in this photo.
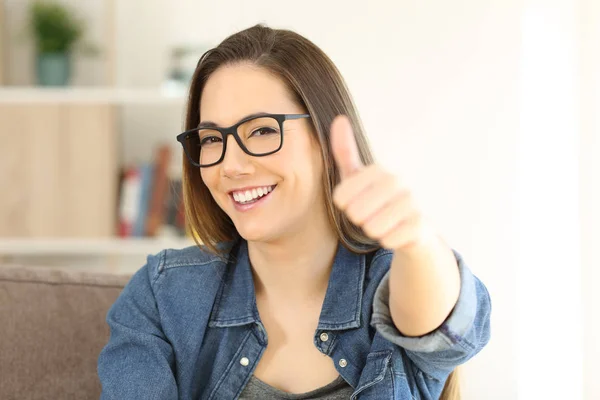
(55, 28)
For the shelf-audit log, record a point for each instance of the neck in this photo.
(294, 267)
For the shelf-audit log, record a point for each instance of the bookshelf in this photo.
(92, 95)
(119, 256)
(67, 145)
(78, 246)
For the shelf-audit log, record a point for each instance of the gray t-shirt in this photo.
(259, 390)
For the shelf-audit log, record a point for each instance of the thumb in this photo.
(343, 146)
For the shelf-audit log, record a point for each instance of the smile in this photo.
(251, 195)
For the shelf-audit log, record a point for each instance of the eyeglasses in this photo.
(257, 135)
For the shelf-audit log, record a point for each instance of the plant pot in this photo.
(53, 69)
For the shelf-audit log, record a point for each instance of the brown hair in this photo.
(316, 85)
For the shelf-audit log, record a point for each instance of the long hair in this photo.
(316, 85)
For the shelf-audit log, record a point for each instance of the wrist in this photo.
(426, 242)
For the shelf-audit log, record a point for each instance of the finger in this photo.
(405, 233)
(368, 203)
(343, 146)
(348, 189)
(392, 216)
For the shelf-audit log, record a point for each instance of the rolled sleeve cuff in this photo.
(453, 331)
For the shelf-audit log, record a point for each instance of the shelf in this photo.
(91, 94)
(90, 247)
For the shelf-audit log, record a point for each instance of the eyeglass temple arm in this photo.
(296, 116)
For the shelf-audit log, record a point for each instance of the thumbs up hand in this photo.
(374, 199)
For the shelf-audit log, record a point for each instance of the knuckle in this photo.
(387, 242)
(371, 231)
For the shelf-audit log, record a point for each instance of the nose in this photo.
(235, 161)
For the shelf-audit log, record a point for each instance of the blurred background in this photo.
(489, 108)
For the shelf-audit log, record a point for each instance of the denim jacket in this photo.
(186, 326)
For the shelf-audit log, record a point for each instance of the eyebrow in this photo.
(210, 124)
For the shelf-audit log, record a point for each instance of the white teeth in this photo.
(249, 195)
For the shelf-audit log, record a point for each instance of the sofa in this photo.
(53, 324)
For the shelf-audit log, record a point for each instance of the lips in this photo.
(251, 194)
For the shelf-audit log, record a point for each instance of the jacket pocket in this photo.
(376, 378)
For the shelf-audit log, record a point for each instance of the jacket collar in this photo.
(235, 303)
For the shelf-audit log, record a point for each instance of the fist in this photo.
(373, 198)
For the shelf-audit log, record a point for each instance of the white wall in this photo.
(590, 192)
(548, 259)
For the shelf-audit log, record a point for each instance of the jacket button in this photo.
(324, 337)
(343, 362)
(244, 361)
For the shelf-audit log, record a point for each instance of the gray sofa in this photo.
(53, 329)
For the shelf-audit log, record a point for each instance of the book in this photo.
(159, 191)
(129, 201)
(150, 199)
(174, 206)
(146, 177)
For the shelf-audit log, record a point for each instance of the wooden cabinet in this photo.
(58, 170)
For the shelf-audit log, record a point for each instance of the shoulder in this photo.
(193, 256)
(379, 261)
(380, 256)
(197, 258)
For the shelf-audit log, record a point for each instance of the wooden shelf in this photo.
(90, 247)
(29, 95)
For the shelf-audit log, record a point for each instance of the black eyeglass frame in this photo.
(232, 130)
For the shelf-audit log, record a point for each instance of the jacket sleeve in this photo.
(462, 335)
(138, 361)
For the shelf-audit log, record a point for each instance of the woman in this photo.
(318, 276)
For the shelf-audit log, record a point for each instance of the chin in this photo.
(255, 236)
(258, 232)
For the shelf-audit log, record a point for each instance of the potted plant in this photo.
(56, 31)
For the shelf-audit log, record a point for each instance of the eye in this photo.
(209, 140)
(264, 131)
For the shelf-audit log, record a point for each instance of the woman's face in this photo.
(290, 180)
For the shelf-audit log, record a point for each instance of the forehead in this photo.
(235, 91)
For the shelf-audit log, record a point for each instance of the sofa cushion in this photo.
(53, 325)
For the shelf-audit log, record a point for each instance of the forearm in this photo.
(424, 286)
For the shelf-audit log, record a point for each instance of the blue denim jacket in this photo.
(184, 322)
